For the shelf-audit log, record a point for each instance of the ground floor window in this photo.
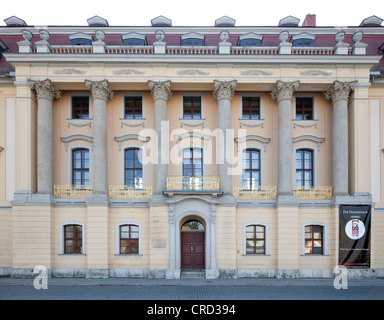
(313, 239)
(255, 239)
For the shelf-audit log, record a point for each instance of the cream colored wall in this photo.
(5, 239)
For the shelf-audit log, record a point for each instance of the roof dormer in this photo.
(134, 39)
(303, 39)
(80, 38)
(15, 22)
(372, 21)
(97, 21)
(192, 39)
(225, 21)
(250, 39)
(161, 21)
(289, 21)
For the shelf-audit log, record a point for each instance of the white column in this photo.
(101, 92)
(223, 93)
(339, 93)
(283, 94)
(161, 92)
(45, 92)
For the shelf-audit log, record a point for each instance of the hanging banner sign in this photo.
(355, 234)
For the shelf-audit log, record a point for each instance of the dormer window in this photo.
(192, 39)
(303, 39)
(97, 21)
(372, 21)
(80, 39)
(15, 22)
(289, 21)
(225, 21)
(161, 21)
(250, 39)
(134, 39)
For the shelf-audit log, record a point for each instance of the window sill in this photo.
(305, 123)
(251, 123)
(79, 122)
(192, 122)
(256, 255)
(72, 255)
(127, 255)
(132, 122)
(316, 256)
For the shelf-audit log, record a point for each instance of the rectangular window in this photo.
(80, 167)
(251, 108)
(129, 239)
(133, 108)
(304, 168)
(192, 107)
(80, 107)
(255, 239)
(73, 239)
(313, 240)
(304, 108)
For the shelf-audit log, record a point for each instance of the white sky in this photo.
(190, 13)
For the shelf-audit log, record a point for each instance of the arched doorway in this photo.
(192, 243)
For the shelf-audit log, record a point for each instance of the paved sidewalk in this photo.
(5, 281)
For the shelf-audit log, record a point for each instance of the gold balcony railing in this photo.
(126, 192)
(313, 193)
(72, 191)
(261, 192)
(197, 183)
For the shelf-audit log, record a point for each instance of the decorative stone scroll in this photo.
(224, 89)
(284, 90)
(160, 89)
(339, 90)
(100, 89)
(45, 89)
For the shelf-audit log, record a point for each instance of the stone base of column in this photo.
(98, 199)
(22, 198)
(286, 200)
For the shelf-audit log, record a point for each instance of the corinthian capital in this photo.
(224, 89)
(100, 89)
(284, 90)
(160, 89)
(44, 89)
(339, 90)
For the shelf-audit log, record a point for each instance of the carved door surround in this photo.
(180, 209)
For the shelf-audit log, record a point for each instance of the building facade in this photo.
(149, 151)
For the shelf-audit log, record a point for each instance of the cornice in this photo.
(16, 58)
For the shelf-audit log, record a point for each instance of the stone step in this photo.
(192, 273)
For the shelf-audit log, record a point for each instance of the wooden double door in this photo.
(192, 249)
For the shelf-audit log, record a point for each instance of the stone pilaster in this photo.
(161, 93)
(223, 92)
(339, 94)
(101, 93)
(283, 94)
(46, 92)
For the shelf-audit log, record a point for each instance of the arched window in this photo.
(129, 239)
(192, 225)
(304, 168)
(73, 239)
(133, 176)
(314, 239)
(251, 168)
(80, 166)
(255, 239)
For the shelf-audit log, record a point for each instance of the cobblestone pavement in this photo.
(190, 289)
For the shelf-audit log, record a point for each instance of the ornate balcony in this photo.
(258, 193)
(313, 193)
(126, 192)
(197, 183)
(72, 191)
